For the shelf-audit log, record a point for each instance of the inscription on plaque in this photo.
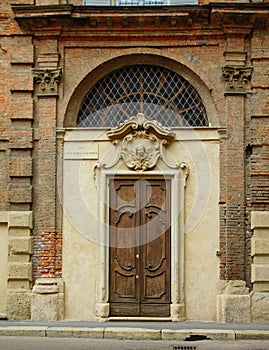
(81, 150)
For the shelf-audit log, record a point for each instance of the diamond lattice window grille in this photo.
(157, 92)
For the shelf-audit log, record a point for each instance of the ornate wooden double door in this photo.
(139, 247)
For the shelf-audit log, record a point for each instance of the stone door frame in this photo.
(178, 182)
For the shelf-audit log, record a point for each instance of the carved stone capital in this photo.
(47, 80)
(237, 79)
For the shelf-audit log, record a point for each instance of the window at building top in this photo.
(138, 2)
(157, 92)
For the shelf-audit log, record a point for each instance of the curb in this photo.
(132, 333)
(213, 334)
(251, 335)
(26, 331)
(74, 332)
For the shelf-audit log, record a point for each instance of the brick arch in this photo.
(127, 60)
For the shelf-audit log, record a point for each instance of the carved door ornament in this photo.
(141, 142)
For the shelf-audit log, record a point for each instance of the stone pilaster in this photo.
(237, 78)
(47, 237)
(19, 266)
(260, 266)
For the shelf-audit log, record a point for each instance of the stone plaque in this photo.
(81, 150)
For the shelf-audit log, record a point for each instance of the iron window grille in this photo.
(157, 92)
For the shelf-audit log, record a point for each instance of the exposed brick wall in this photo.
(257, 150)
(259, 163)
(47, 258)
(3, 128)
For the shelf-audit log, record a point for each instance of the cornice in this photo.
(65, 18)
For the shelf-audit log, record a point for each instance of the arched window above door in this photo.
(157, 92)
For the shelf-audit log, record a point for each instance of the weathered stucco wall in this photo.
(81, 201)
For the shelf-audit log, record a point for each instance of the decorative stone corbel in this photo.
(237, 79)
(47, 80)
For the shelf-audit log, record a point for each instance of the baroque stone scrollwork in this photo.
(237, 79)
(47, 80)
(141, 142)
(140, 153)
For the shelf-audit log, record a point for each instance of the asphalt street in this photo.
(31, 343)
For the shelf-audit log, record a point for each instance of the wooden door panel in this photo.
(157, 310)
(125, 309)
(123, 242)
(124, 285)
(154, 286)
(156, 253)
(140, 248)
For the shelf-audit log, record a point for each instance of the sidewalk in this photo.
(136, 330)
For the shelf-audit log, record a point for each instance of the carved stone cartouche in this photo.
(141, 141)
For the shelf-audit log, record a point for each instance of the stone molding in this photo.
(128, 137)
(237, 79)
(47, 80)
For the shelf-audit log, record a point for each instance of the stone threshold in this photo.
(140, 319)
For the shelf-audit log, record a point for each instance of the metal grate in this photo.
(157, 92)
